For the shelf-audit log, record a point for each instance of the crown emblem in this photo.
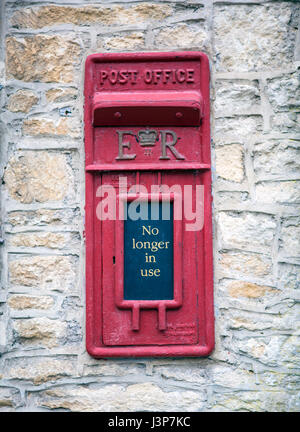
(147, 137)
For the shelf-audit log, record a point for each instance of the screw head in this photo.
(117, 115)
(179, 115)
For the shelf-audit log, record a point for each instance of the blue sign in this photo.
(148, 252)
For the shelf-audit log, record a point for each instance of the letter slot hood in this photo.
(164, 108)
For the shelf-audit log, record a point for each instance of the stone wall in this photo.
(252, 46)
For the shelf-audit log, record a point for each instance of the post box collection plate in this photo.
(149, 273)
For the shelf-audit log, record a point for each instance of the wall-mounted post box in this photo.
(149, 276)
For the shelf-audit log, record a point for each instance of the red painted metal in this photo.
(147, 119)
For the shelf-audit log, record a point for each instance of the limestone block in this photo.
(289, 276)
(10, 398)
(278, 192)
(38, 17)
(128, 42)
(276, 159)
(61, 94)
(44, 58)
(134, 397)
(53, 273)
(182, 36)
(65, 127)
(43, 217)
(249, 38)
(248, 231)
(248, 289)
(229, 162)
(289, 240)
(22, 101)
(284, 92)
(236, 97)
(40, 331)
(238, 129)
(240, 263)
(39, 370)
(49, 240)
(286, 122)
(21, 302)
(37, 176)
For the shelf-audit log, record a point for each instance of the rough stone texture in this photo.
(282, 192)
(61, 95)
(247, 37)
(9, 398)
(43, 217)
(39, 331)
(182, 36)
(277, 159)
(254, 92)
(46, 128)
(48, 240)
(247, 231)
(135, 397)
(240, 263)
(236, 97)
(133, 41)
(44, 58)
(247, 289)
(39, 370)
(54, 15)
(22, 101)
(20, 302)
(37, 176)
(229, 162)
(54, 273)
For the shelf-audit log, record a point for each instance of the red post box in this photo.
(149, 275)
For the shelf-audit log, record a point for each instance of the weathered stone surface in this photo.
(250, 39)
(66, 127)
(182, 36)
(277, 159)
(135, 397)
(43, 217)
(237, 129)
(248, 289)
(247, 231)
(289, 276)
(61, 94)
(10, 398)
(253, 401)
(236, 97)
(44, 272)
(22, 101)
(38, 17)
(284, 92)
(39, 370)
(37, 176)
(128, 42)
(278, 192)
(228, 377)
(20, 302)
(49, 240)
(229, 162)
(40, 331)
(44, 58)
(289, 240)
(192, 374)
(244, 264)
(286, 122)
(110, 368)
